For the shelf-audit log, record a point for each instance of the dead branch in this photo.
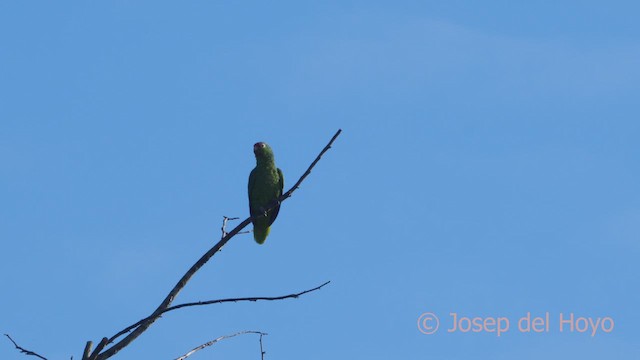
(166, 303)
(224, 224)
(262, 352)
(209, 343)
(306, 173)
(23, 350)
(87, 350)
(225, 220)
(209, 302)
(99, 348)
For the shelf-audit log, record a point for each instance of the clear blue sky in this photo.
(488, 167)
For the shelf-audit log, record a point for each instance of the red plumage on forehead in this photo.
(258, 145)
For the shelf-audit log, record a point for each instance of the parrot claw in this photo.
(263, 211)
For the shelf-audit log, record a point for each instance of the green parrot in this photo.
(266, 183)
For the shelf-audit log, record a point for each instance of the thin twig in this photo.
(23, 350)
(306, 173)
(209, 343)
(262, 352)
(224, 224)
(209, 302)
(203, 260)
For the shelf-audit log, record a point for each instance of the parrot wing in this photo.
(274, 213)
(252, 182)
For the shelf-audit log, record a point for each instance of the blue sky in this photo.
(487, 167)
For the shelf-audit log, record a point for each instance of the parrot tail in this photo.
(260, 234)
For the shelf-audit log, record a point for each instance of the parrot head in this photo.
(262, 150)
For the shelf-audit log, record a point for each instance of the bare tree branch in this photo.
(306, 173)
(203, 260)
(209, 343)
(209, 302)
(224, 224)
(87, 350)
(99, 348)
(225, 220)
(23, 350)
(262, 352)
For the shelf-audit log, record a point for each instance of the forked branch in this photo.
(219, 301)
(209, 343)
(166, 303)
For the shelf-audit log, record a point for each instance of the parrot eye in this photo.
(259, 145)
